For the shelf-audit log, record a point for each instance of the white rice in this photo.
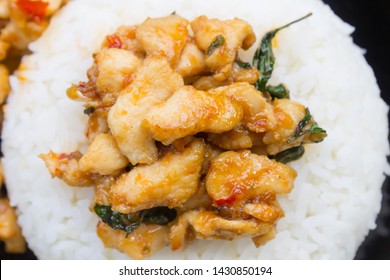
(337, 192)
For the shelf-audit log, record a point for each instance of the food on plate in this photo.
(165, 152)
(149, 158)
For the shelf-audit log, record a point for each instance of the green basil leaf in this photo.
(245, 65)
(264, 58)
(218, 42)
(280, 91)
(289, 154)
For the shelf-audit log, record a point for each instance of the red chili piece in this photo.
(36, 10)
(229, 200)
(114, 41)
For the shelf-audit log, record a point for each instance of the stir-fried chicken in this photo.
(183, 144)
(127, 116)
(26, 21)
(67, 168)
(233, 34)
(10, 232)
(170, 181)
(237, 176)
(208, 225)
(189, 111)
(139, 244)
(163, 36)
(114, 66)
(4, 84)
(103, 156)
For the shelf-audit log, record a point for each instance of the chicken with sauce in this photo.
(183, 144)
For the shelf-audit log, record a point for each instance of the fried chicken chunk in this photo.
(192, 61)
(288, 115)
(114, 65)
(170, 181)
(237, 176)
(208, 225)
(163, 36)
(232, 35)
(126, 117)
(258, 113)
(103, 156)
(4, 84)
(141, 243)
(125, 38)
(67, 168)
(10, 231)
(189, 111)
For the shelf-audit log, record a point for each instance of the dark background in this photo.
(371, 19)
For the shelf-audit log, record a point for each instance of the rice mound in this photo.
(337, 193)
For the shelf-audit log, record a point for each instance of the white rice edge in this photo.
(337, 193)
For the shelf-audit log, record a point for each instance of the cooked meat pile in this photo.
(182, 144)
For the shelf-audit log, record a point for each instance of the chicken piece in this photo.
(211, 152)
(191, 62)
(8, 225)
(39, 9)
(164, 36)
(189, 111)
(125, 38)
(208, 82)
(199, 200)
(28, 21)
(126, 117)
(97, 124)
(264, 238)
(4, 83)
(258, 113)
(208, 225)
(248, 75)
(171, 181)
(263, 212)
(102, 189)
(10, 231)
(141, 243)
(67, 168)
(241, 176)
(221, 41)
(114, 65)
(4, 9)
(4, 46)
(288, 114)
(53, 6)
(237, 75)
(103, 156)
(235, 139)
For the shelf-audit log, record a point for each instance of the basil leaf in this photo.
(245, 65)
(159, 215)
(280, 91)
(116, 220)
(289, 154)
(317, 134)
(132, 221)
(218, 42)
(264, 58)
